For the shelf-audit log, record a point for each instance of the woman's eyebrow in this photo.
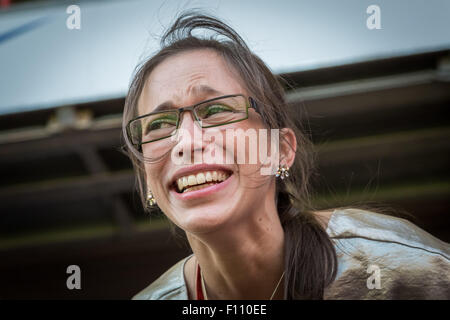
(204, 90)
(164, 106)
(199, 91)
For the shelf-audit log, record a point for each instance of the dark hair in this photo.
(310, 257)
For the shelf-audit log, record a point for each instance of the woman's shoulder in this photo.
(359, 223)
(169, 286)
(381, 256)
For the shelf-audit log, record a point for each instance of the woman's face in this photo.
(217, 195)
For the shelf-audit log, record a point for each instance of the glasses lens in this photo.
(222, 111)
(153, 127)
(149, 133)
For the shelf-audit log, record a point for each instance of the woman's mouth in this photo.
(200, 180)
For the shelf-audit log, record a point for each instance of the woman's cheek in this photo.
(154, 177)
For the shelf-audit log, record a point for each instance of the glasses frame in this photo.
(250, 103)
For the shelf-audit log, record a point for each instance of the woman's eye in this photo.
(160, 124)
(216, 109)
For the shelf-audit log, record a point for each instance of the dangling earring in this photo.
(282, 172)
(150, 199)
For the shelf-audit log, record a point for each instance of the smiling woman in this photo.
(254, 235)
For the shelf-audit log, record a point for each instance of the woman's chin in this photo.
(205, 220)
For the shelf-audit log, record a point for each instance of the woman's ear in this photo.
(288, 146)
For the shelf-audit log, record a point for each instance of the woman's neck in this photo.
(243, 261)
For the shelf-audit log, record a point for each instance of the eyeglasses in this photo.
(160, 125)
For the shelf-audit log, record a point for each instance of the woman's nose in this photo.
(187, 121)
(189, 140)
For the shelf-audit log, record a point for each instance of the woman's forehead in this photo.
(187, 77)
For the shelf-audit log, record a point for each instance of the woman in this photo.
(254, 235)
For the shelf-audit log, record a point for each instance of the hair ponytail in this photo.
(310, 258)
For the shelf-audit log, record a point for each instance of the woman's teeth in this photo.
(200, 180)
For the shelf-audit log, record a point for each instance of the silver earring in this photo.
(282, 172)
(150, 199)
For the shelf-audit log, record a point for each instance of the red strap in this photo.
(199, 285)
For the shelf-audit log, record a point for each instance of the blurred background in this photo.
(374, 101)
